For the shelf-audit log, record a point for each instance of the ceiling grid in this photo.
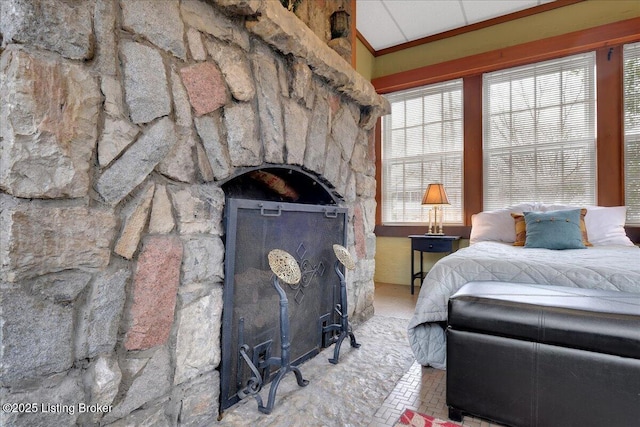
(388, 23)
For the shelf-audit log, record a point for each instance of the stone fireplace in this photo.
(120, 124)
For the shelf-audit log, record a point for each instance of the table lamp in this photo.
(435, 195)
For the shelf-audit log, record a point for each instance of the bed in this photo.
(611, 262)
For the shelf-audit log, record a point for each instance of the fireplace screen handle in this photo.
(272, 212)
(330, 214)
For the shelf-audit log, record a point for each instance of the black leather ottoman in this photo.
(533, 355)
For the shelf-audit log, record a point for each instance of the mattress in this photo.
(598, 267)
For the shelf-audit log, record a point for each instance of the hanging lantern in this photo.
(339, 24)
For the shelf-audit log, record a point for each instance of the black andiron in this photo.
(344, 258)
(285, 268)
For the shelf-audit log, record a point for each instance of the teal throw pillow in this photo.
(553, 230)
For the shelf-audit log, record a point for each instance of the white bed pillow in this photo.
(605, 225)
(497, 225)
(492, 226)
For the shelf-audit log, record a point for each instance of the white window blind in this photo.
(422, 144)
(631, 92)
(539, 133)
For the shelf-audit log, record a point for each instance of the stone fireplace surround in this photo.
(119, 121)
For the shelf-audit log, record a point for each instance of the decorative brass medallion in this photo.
(284, 266)
(344, 256)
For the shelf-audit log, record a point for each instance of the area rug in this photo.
(416, 419)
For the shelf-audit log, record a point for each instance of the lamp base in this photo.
(436, 229)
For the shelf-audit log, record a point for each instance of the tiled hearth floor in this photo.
(420, 389)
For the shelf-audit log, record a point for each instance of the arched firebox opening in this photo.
(283, 183)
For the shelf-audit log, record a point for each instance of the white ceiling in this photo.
(387, 23)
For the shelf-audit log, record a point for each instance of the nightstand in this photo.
(429, 243)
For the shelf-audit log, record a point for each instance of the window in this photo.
(422, 144)
(632, 131)
(539, 133)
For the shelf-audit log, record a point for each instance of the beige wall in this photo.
(364, 60)
(393, 261)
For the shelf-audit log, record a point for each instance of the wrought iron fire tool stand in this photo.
(344, 258)
(285, 268)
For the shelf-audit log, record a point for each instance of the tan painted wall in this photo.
(364, 60)
(393, 260)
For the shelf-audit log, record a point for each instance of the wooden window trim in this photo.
(459, 230)
(405, 230)
(610, 134)
(618, 33)
(605, 40)
(472, 168)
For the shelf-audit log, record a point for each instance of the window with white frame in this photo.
(631, 91)
(539, 133)
(422, 143)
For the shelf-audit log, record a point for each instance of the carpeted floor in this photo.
(342, 395)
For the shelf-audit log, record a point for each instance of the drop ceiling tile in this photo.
(386, 23)
(481, 10)
(419, 19)
(376, 25)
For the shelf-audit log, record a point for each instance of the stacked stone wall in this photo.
(118, 122)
